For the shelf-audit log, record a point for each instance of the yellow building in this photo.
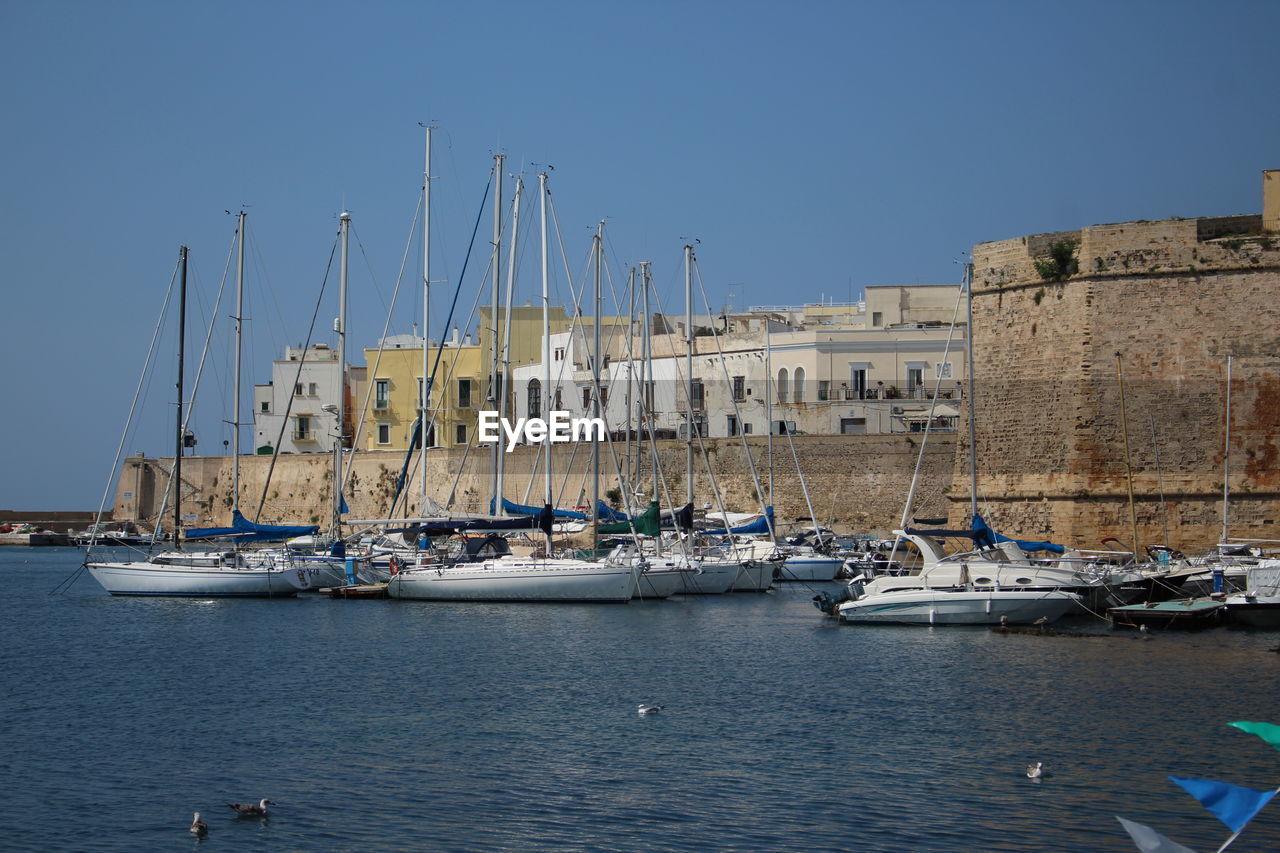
(394, 387)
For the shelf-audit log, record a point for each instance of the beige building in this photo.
(393, 395)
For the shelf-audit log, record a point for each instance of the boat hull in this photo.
(813, 568)
(517, 580)
(196, 582)
(753, 576)
(938, 607)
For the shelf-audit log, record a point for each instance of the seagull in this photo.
(198, 827)
(251, 810)
(1043, 620)
(1004, 621)
(1144, 632)
(1035, 771)
(645, 710)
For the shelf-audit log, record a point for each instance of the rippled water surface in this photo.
(388, 726)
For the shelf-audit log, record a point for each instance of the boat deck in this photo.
(1186, 614)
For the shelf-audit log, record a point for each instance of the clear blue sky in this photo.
(812, 147)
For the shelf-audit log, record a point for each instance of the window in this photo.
(697, 397)
(266, 406)
(460, 434)
(783, 382)
(302, 428)
(382, 394)
(297, 390)
(853, 426)
(559, 399)
(648, 396)
(464, 397)
(824, 389)
(586, 399)
(732, 426)
(798, 385)
(857, 382)
(915, 377)
(384, 433)
(877, 318)
(739, 388)
(420, 397)
(604, 398)
(746, 429)
(559, 354)
(535, 398)
(311, 389)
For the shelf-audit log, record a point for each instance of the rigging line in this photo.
(124, 436)
(429, 382)
(306, 347)
(377, 289)
(746, 450)
(204, 352)
(382, 340)
(275, 332)
(937, 386)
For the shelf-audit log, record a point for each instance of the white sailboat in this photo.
(511, 578)
(200, 574)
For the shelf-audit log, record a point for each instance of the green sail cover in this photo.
(649, 523)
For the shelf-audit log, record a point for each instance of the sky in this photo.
(810, 149)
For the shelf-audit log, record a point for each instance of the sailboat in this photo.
(512, 578)
(199, 574)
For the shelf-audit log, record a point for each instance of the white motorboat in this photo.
(200, 575)
(1258, 606)
(513, 578)
(958, 607)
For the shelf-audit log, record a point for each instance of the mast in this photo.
(181, 438)
(631, 369)
(506, 332)
(768, 403)
(647, 395)
(340, 326)
(688, 362)
(425, 402)
(235, 416)
(973, 447)
(1226, 456)
(495, 376)
(545, 408)
(595, 393)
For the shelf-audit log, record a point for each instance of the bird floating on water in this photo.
(1035, 771)
(1043, 620)
(199, 827)
(644, 710)
(1144, 632)
(258, 809)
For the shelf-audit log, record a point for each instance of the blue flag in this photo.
(1231, 804)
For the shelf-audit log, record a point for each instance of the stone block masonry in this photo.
(858, 483)
(1174, 298)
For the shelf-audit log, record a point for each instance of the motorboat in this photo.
(958, 606)
(1258, 605)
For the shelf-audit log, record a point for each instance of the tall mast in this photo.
(1226, 456)
(631, 369)
(973, 430)
(688, 373)
(235, 416)
(595, 393)
(425, 402)
(495, 376)
(340, 326)
(768, 401)
(181, 439)
(506, 330)
(646, 393)
(545, 407)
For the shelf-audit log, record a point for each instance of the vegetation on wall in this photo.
(1061, 263)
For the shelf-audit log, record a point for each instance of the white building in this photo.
(295, 398)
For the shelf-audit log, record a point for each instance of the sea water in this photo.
(398, 726)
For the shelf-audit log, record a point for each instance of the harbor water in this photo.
(410, 726)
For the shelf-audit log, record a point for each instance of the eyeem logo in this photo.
(561, 428)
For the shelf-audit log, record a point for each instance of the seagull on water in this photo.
(1035, 771)
(1043, 620)
(258, 809)
(198, 827)
(645, 710)
(1144, 632)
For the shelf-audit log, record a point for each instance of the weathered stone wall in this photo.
(856, 482)
(1174, 299)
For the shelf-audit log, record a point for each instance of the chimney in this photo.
(1271, 201)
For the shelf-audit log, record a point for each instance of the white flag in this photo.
(1150, 841)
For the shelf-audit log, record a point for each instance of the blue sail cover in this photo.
(245, 530)
(985, 537)
(760, 526)
(521, 509)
